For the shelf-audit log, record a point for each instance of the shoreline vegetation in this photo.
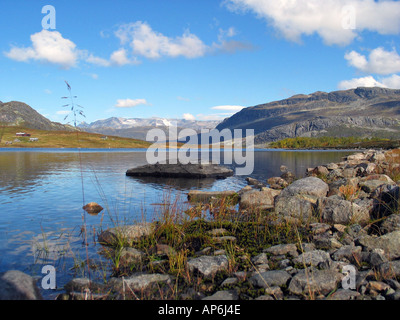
(308, 143)
(281, 239)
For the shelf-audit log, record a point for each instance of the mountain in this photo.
(137, 128)
(16, 113)
(363, 112)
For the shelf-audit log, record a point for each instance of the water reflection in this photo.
(41, 193)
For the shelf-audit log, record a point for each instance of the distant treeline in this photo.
(334, 142)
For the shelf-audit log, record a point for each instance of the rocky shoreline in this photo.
(333, 235)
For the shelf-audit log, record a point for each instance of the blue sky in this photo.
(192, 59)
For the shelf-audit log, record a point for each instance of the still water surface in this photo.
(41, 198)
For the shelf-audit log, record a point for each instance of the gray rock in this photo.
(377, 257)
(140, 281)
(344, 294)
(348, 253)
(260, 259)
(229, 282)
(125, 234)
(314, 281)
(372, 182)
(390, 224)
(263, 199)
(82, 284)
(389, 243)
(16, 285)
(282, 249)
(390, 269)
(316, 258)
(129, 256)
(294, 207)
(310, 186)
(223, 295)
(271, 278)
(277, 183)
(326, 241)
(338, 211)
(208, 265)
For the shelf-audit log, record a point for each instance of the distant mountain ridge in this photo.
(356, 112)
(15, 113)
(137, 128)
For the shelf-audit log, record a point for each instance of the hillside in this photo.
(16, 113)
(63, 139)
(361, 112)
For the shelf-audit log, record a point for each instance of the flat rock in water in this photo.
(194, 171)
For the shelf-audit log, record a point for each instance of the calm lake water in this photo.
(42, 194)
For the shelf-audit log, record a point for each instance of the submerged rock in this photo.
(194, 171)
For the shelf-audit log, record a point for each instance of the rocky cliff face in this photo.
(357, 112)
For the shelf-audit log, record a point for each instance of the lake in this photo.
(42, 193)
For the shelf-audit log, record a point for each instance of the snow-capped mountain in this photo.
(125, 123)
(138, 127)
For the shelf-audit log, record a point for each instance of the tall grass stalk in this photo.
(76, 110)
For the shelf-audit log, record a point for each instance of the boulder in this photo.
(390, 224)
(193, 171)
(277, 183)
(310, 188)
(294, 207)
(389, 243)
(316, 258)
(17, 285)
(271, 278)
(282, 249)
(125, 234)
(372, 182)
(335, 210)
(208, 266)
(314, 281)
(263, 199)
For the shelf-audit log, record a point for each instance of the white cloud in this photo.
(335, 21)
(117, 58)
(49, 47)
(368, 81)
(392, 82)
(130, 103)
(228, 108)
(188, 116)
(379, 61)
(120, 57)
(151, 44)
